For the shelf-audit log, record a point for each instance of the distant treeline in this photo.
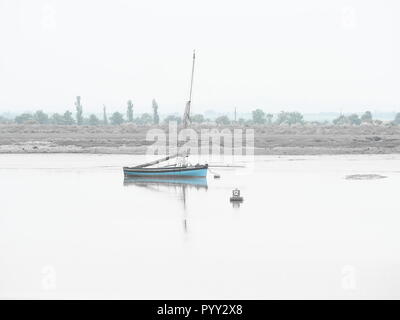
(259, 117)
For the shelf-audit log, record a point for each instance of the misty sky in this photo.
(310, 56)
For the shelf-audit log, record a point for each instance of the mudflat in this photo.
(308, 139)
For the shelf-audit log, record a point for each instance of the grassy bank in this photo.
(269, 140)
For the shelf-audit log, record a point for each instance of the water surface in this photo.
(71, 227)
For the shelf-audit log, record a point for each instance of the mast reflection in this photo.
(179, 185)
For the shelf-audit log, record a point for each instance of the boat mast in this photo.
(191, 80)
(186, 116)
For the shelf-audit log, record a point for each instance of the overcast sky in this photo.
(310, 56)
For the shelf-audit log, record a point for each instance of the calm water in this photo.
(71, 228)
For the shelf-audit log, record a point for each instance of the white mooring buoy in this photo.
(236, 195)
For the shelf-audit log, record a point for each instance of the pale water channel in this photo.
(70, 227)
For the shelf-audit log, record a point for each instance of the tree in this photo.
(296, 117)
(397, 118)
(198, 118)
(3, 120)
(366, 117)
(57, 118)
(65, 119)
(105, 120)
(258, 116)
(145, 119)
(268, 118)
(341, 120)
(68, 118)
(117, 118)
(156, 117)
(41, 117)
(129, 112)
(354, 119)
(172, 118)
(242, 121)
(23, 118)
(93, 120)
(282, 117)
(290, 118)
(224, 120)
(79, 111)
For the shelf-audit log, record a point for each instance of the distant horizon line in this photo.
(212, 114)
(206, 111)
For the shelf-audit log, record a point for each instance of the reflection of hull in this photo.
(199, 182)
(167, 172)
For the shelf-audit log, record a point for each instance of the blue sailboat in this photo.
(174, 171)
(167, 172)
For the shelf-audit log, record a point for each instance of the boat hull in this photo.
(167, 172)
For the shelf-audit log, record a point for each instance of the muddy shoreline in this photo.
(268, 140)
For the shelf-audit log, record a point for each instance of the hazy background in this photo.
(313, 55)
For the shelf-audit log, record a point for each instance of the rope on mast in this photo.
(186, 116)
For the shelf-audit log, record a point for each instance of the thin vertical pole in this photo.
(186, 115)
(191, 81)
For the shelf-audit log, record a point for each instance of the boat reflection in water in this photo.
(180, 185)
(197, 183)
